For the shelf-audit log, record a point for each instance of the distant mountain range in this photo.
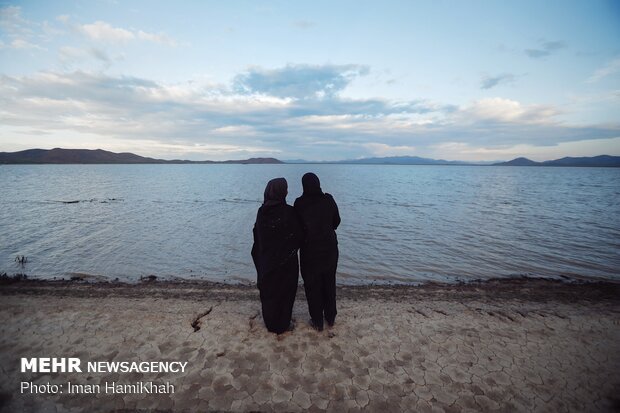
(601, 160)
(98, 156)
(400, 160)
(394, 160)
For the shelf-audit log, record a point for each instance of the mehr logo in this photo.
(51, 365)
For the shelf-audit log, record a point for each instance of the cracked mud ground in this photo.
(522, 345)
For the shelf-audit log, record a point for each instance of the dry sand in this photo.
(521, 345)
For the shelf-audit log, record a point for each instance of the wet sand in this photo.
(518, 345)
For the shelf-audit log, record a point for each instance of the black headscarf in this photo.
(311, 184)
(319, 215)
(275, 192)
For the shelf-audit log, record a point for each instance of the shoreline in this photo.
(502, 345)
(527, 288)
(342, 280)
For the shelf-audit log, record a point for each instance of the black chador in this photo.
(319, 251)
(277, 237)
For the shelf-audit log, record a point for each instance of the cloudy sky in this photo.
(317, 80)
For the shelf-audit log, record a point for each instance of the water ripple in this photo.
(399, 224)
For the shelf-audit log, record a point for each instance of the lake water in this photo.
(399, 223)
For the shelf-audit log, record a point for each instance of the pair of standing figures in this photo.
(279, 232)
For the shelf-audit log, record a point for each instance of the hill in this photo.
(519, 162)
(99, 156)
(601, 160)
(593, 161)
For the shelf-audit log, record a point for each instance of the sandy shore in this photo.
(521, 345)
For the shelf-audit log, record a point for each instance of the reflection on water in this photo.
(399, 223)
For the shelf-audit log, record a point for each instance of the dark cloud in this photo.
(80, 87)
(362, 107)
(100, 55)
(489, 82)
(545, 49)
(71, 56)
(299, 81)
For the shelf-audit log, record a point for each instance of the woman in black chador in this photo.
(319, 251)
(277, 237)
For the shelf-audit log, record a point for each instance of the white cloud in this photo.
(103, 31)
(332, 121)
(157, 38)
(202, 148)
(23, 44)
(609, 69)
(212, 120)
(13, 23)
(469, 152)
(19, 44)
(49, 31)
(382, 149)
(506, 110)
(19, 32)
(363, 124)
(244, 130)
